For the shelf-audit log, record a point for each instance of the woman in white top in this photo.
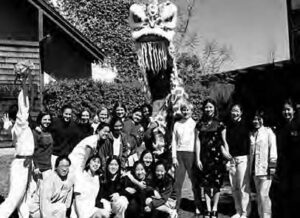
(263, 158)
(86, 188)
(184, 138)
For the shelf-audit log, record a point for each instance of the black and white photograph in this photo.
(149, 108)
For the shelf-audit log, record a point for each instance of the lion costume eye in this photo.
(169, 19)
(136, 18)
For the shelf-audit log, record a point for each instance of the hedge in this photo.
(86, 93)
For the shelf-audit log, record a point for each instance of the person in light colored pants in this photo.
(239, 177)
(262, 186)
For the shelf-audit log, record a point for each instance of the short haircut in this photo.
(66, 106)
(101, 126)
(60, 158)
(41, 115)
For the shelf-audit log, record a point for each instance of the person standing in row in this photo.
(183, 145)
(65, 133)
(237, 137)
(263, 158)
(211, 158)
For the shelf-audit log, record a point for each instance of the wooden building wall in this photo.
(11, 54)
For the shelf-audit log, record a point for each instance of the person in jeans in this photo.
(184, 138)
(239, 176)
(263, 158)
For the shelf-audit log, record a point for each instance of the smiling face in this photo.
(94, 164)
(120, 112)
(118, 127)
(236, 113)
(209, 110)
(63, 168)
(103, 133)
(288, 112)
(85, 116)
(137, 116)
(113, 167)
(148, 159)
(46, 121)
(67, 115)
(160, 171)
(103, 115)
(257, 122)
(140, 172)
(186, 112)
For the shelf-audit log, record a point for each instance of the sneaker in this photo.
(174, 214)
(243, 216)
(236, 215)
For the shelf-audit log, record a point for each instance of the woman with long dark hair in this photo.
(212, 157)
(86, 187)
(84, 124)
(237, 137)
(110, 196)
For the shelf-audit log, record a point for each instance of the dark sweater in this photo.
(43, 148)
(85, 129)
(134, 131)
(65, 136)
(237, 136)
(165, 189)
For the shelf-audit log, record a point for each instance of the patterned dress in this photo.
(211, 156)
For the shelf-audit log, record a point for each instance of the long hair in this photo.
(209, 101)
(151, 167)
(116, 105)
(108, 175)
(41, 115)
(135, 166)
(87, 165)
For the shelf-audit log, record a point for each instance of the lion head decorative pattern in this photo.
(153, 28)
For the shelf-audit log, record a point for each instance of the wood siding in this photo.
(9, 56)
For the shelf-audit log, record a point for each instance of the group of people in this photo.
(109, 167)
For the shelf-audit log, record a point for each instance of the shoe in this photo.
(237, 215)
(173, 214)
(243, 216)
(197, 212)
(207, 214)
(214, 214)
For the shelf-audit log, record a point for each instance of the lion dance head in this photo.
(153, 28)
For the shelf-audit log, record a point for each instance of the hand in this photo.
(148, 201)
(142, 184)
(130, 190)
(6, 122)
(272, 171)
(225, 153)
(199, 165)
(38, 129)
(147, 209)
(37, 171)
(114, 196)
(156, 195)
(175, 162)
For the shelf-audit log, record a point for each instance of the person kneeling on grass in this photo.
(110, 197)
(55, 193)
(164, 199)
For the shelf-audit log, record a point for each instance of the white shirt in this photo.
(183, 137)
(86, 188)
(117, 145)
(21, 133)
(81, 153)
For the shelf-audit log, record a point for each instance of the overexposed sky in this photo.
(254, 30)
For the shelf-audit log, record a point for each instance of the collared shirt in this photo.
(263, 151)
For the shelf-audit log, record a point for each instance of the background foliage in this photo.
(105, 22)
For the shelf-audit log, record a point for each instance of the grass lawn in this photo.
(187, 211)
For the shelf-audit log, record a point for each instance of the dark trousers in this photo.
(186, 163)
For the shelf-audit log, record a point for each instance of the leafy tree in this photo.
(105, 22)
